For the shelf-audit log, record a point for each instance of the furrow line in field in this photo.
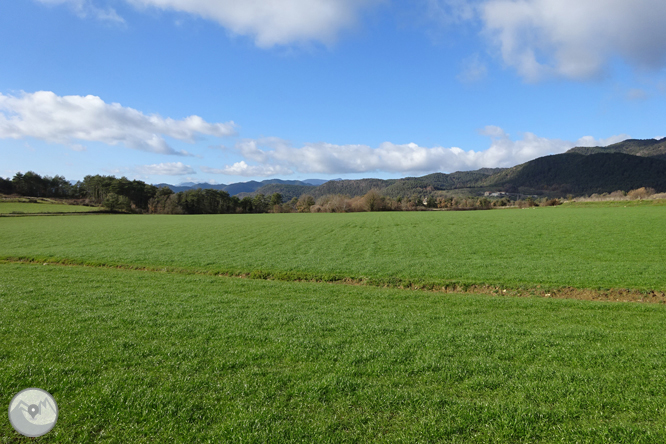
(611, 295)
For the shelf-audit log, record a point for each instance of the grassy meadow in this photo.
(174, 352)
(597, 248)
(139, 356)
(42, 207)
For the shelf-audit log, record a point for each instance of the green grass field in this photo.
(618, 203)
(594, 248)
(28, 207)
(183, 355)
(137, 356)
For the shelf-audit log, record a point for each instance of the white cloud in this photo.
(166, 169)
(272, 22)
(85, 8)
(65, 119)
(268, 22)
(540, 38)
(591, 141)
(243, 169)
(492, 131)
(279, 157)
(576, 39)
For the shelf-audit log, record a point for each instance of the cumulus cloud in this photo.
(167, 169)
(275, 156)
(540, 38)
(269, 22)
(576, 39)
(492, 131)
(591, 141)
(65, 119)
(243, 169)
(85, 8)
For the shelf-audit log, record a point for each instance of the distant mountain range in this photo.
(623, 166)
(235, 189)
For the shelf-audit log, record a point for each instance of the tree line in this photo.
(122, 194)
(209, 201)
(34, 185)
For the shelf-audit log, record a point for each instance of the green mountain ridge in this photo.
(622, 166)
(636, 147)
(235, 188)
(574, 173)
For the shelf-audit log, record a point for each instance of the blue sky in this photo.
(224, 91)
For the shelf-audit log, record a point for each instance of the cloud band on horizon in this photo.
(274, 156)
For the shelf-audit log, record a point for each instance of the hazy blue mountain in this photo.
(194, 186)
(317, 182)
(287, 191)
(234, 188)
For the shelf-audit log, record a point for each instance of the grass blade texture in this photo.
(137, 356)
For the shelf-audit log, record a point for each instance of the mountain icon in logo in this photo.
(33, 412)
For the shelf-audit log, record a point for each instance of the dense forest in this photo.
(578, 174)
